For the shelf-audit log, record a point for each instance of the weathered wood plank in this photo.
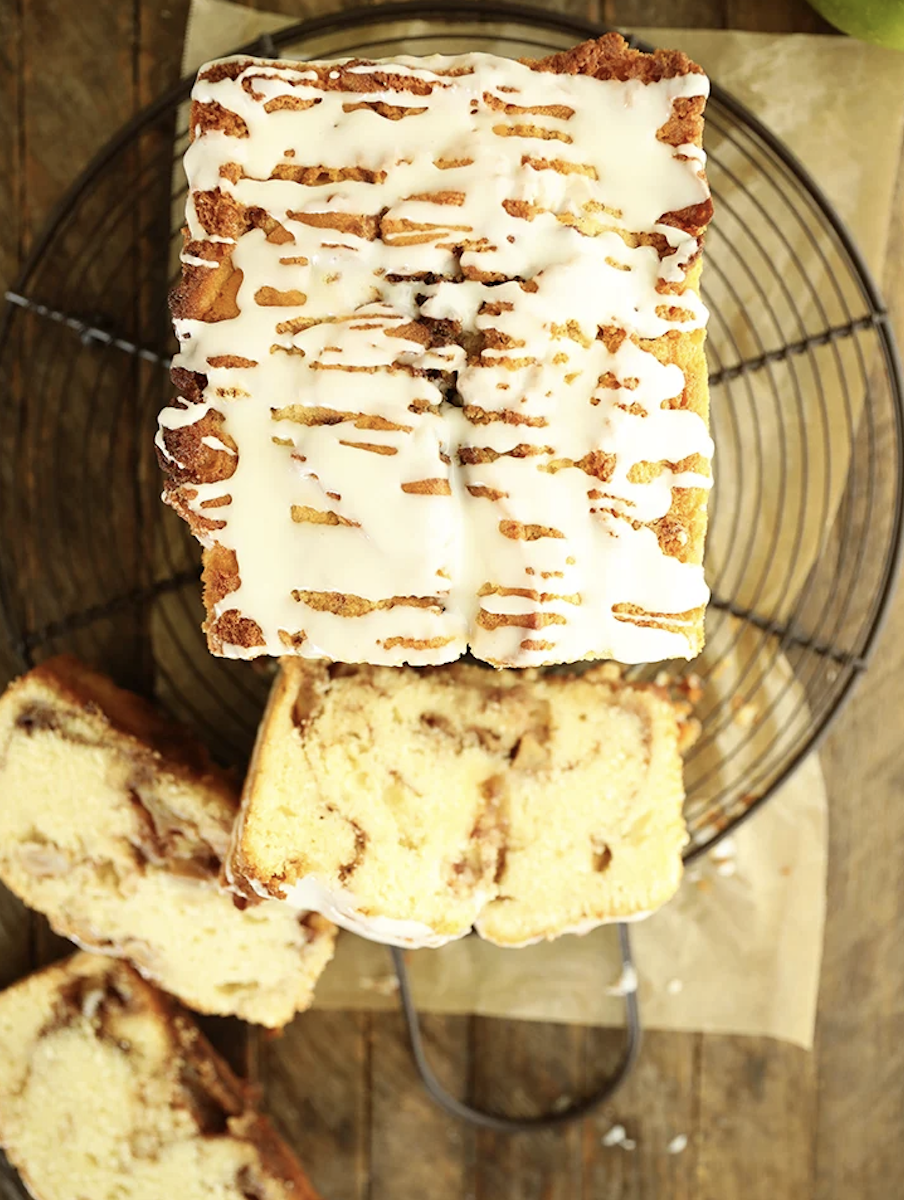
(160, 32)
(754, 1131)
(860, 1031)
(300, 9)
(657, 1105)
(78, 88)
(406, 1121)
(522, 1068)
(317, 1090)
(11, 148)
(775, 16)
(14, 925)
(705, 14)
(68, 108)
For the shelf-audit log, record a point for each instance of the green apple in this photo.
(880, 21)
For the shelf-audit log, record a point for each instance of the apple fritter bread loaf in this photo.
(441, 379)
(412, 804)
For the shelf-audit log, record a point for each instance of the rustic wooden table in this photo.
(762, 1120)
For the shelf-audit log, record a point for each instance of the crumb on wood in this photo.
(617, 1136)
(383, 985)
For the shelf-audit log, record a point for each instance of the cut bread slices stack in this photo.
(409, 805)
(115, 824)
(109, 1091)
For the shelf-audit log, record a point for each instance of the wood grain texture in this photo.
(78, 88)
(416, 1150)
(522, 1069)
(159, 34)
(860, 1033)
(77, 396)
(300, 9)
(775, 16)
(15, 930)
(317, 1075)
(658, 1104)
(14, 923)
(625, 14)
(11, 140)
(754, 1136)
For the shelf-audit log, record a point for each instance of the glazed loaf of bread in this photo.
(441, 379)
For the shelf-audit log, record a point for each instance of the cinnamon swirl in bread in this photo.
(114, 824)
(110, 1092)
(410, 805)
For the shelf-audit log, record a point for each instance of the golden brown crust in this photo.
(310, 683)
(130, 715)
(610, 57)
(221, 1105)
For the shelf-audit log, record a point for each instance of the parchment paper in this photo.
(738, 950)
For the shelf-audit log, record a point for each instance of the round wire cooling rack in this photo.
(806, 413)
(805, 518)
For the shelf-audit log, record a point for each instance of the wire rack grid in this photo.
(807, 414)
(806, 409)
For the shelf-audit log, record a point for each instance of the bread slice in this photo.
(114, 824)
(441, 381)
(410, 805)
(110, 1092)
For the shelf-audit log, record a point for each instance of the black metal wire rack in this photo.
(806, 410)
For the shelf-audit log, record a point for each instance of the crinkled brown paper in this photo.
(738, 950)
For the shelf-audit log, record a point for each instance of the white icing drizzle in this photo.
(580, 929)
(545, 392)
(340, 906)
(192, 260)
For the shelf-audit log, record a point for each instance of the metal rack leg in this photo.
(498, 1121)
